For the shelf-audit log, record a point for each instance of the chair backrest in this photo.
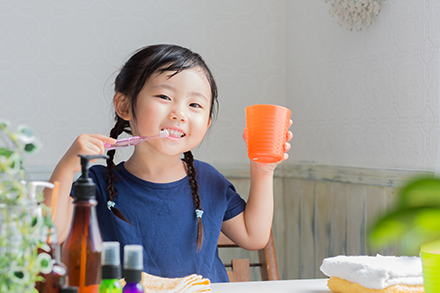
(240, 268)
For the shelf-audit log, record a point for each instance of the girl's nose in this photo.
(177, 115)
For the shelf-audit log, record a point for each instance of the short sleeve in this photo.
(236, 204)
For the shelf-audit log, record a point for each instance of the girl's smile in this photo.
(175, 133)
(179, 103)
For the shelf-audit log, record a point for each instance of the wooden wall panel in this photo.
(355, 210)
(291, 248)
(324, 211)
(278, 224)
(323, 226)
(306, 229)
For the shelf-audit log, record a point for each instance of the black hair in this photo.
(132, 77)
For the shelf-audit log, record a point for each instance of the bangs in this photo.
(179, 66)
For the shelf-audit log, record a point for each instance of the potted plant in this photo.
(416, 220)
(24, 222)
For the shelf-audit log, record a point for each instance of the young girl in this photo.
(157, 198)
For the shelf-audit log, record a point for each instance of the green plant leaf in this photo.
(14, 163)
(5, 152)
(33, 147)
(416, 225)
(44, 262)
(19, 275)
(424, 192)
(34, 221)
(26, 131)
(18, 263)
(4, 123)
(30, 148)
(25, 135)
(45, 247)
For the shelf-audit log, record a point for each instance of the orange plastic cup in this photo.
(266, 132)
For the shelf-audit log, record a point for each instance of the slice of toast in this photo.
(343, 286)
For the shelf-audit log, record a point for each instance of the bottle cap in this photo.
(133, 258)
(110, 260)
(69, 290)
(110, 253)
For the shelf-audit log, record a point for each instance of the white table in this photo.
(285, 286)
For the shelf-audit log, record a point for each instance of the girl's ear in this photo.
(122, 106)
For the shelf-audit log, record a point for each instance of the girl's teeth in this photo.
(175, 133)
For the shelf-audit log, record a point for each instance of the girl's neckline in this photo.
(157, 171)
(130, 176)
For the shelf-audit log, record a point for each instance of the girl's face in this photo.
(180, 104)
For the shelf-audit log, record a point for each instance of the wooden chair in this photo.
(240, 268)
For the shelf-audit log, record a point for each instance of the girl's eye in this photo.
(195, 105)
(163, 97)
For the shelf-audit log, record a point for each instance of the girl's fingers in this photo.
(92, 144)
(103, 138)
(289, 135)
(95, 149)
(85, 144)
(99, 140)
(88, 145)
(245, 136)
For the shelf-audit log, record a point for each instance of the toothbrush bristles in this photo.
(164, 133)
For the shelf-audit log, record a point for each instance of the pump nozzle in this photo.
(84, 188)
(85, 159)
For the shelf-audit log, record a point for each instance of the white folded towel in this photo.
(375, 272)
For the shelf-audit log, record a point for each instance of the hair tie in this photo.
(199, 213)
(110, 204)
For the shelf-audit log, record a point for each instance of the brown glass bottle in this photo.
(56, 278)
(82, 249)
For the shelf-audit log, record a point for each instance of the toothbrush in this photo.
(135, 140)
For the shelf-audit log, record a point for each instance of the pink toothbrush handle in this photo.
(125, 142)
(122, 143)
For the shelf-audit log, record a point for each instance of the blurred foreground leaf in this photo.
(423, 192)
(416, 218)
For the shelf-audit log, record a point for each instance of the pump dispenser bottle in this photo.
(82, 248)
(133, 266)
(111, 268)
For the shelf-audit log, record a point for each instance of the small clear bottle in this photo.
(133, 267)
(110, 268)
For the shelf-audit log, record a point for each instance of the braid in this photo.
(192, 174)
(119, 127)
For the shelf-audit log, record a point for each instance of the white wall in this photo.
(58, 59)
(365, 98)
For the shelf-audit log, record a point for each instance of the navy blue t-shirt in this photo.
(164, 221)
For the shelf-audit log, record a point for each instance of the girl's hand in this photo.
(265, 167)
(85, 144)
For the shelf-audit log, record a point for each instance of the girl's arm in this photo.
(251, 228)
(85, 144)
